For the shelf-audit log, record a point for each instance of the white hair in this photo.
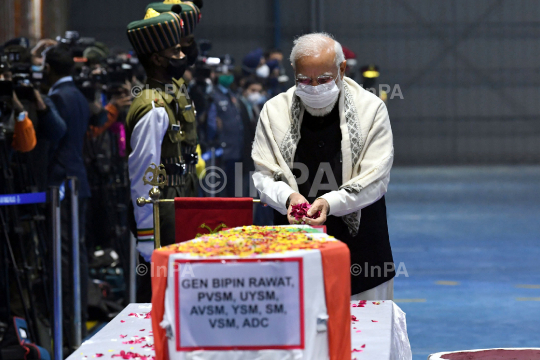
(313, 44)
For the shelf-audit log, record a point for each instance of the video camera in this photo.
(76, 43)
(205, 64)
(107, 75)
(18, 61)
(120, 70)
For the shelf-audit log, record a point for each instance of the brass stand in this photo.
(158, 179)
(154, 194)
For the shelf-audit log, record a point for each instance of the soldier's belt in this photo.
(178, 167)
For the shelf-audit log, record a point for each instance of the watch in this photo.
(22, 116)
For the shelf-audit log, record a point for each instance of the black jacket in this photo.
(67, 158)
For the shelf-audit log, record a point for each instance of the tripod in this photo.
(21, 275)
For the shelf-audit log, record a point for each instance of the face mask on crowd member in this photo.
(255, 98)
(226, 80)
(253, 94)
(263, 71)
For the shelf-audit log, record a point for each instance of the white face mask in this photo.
(320, 96)
(263, 71)
(255, 98)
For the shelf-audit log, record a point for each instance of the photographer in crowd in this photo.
(32, 110)
(67, 160)
(14, 115)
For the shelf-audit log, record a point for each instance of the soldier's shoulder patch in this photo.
(155, 96)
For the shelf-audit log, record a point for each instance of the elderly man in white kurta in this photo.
(328, 142)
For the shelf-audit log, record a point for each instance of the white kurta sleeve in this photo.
(273, 193)
(372, 182)
(145, 143)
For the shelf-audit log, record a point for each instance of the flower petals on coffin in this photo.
(249, 241)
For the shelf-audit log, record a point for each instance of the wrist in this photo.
(327, 204)
(40, 104)
(21, 116)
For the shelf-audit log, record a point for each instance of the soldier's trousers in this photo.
(167, 228)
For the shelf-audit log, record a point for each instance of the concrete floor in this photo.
(469, 238)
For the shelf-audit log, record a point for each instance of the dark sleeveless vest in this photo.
(320, 143)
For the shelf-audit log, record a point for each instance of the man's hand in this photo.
(294, 199)
(40, 104)
(17, 105)
(120, 101)
(318, 205)
(41, 46)
(95, 107)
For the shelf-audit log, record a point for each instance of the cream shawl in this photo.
(366, 146)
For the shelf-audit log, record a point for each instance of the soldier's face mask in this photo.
(176, 67)
(192, 53)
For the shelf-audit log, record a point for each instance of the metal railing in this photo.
(53, 199)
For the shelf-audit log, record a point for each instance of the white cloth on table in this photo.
(379, 331)
(129, 331)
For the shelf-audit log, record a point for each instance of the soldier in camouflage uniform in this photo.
(161, 128)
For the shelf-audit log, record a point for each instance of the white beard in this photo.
(323, 111)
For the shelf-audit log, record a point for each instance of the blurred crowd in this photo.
(44, 147)
(63, 108)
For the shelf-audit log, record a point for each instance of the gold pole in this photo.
(154, 195)
(171, 200)
(157, 179)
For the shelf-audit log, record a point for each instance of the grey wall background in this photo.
(468, 70)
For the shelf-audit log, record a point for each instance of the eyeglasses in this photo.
(321, 79)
